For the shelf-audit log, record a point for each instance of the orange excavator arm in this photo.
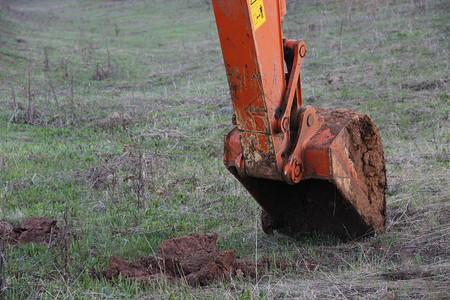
(310, 169)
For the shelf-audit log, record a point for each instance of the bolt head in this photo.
(302, 51)
(293, 171)
(310, 120)
(285, 124)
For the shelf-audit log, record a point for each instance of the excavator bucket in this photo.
(310, 169)
(344, 191)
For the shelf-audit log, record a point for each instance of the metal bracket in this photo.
(283, 113)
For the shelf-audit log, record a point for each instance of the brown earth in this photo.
(426, 84)
(33, 230)
(193, 259)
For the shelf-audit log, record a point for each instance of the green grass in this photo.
(165, 71)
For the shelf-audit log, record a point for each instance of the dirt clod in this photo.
(146, 269)
(193, 258)
(186, 255)
(33, 230)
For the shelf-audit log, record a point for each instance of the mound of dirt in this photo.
(143, 270)
(194, 259)
(33, 230)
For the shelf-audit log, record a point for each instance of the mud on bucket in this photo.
(349, 201)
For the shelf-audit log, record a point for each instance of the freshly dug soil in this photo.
(195, 259)
(33, 230)
(143, 270)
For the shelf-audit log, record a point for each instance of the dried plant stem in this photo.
(72, 103)
(108, 59)
(14, 118)
(340, 36)
(65, 246)
(29, 117)
(46, 60)
(2, 248)
(47, 103)
(55, 97)
(142, 178)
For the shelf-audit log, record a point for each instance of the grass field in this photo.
(113, 113)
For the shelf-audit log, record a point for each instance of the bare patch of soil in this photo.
(407, 274)
(33, 230)
(6, 59)
(193, 259)
(137, 32)
(334, 78)
(116, 119)
(425, 85)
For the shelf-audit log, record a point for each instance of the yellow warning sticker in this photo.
(258, 13)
